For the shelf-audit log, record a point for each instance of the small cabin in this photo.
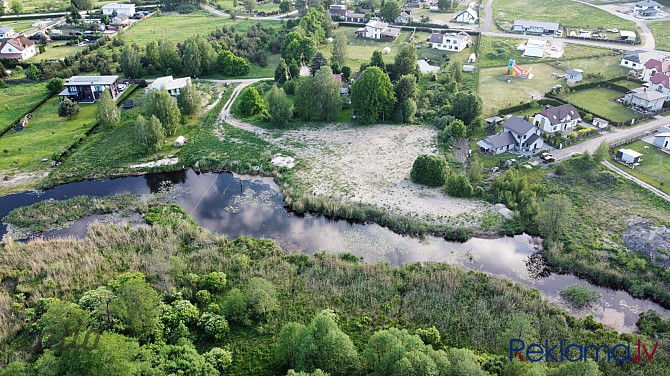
(629, 156)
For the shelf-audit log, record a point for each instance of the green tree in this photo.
(405, 93)
(281, 71)
(130, 62)
(135, 309)
(466, 106)
(182, 359)
(288, 344)
(96, 302)
(83, 4)
(262, 297)
(296, 46)
(16, 6)
(220, 358)
(189, 99)
(464, 362)
(429, 336)
(250, 102)
(54, 86)
(444, 5)
(214, 281)
(390, 10)
(168, 57)
(250, 5)
(328, 93)
(191, 58)
(405, 60)
(149, 134)
(339, 51)
(68, 109)
(602, 152)
(214, 325)
(430, 170)
(306, 100)
(33, 72)
(231, 65)
(377, 60)
(152, 54)
(554, 214)
(372, 95)
(475, 172)
(457, 129)
(458, 185)
(60, 321)
(284, 6)
(107, 114)
(457, 71)
(513, 190)
(312, 24)
(317, 62)
(159, 103)
(586, 368)
(234, 306)
(278, 106)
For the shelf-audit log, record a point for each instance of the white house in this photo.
(646, 5)
(88, 89)
(661, 83)
(517, 135)
(455, 42)
(6, 32)
(17, 48)
(404, 17)
(127, 9)
(558, 118)
(662, 138)
(120, 19)
(170, 84)
(468, 16)
(644, 99)
(636, 59)
(534, 48)
(628, 156)
(378, 30)
(653, 66)
(535, 27)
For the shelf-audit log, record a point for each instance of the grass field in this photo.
(45, 135)
(565, 12)
(661, 31)
(267, 6)
(654, 168)
(496, 51)
(17, 99)
(19, 26)
(598, 101)
(35, 6)
(497, 93)
(57, 50)
(165, 27)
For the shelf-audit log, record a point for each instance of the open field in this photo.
(654, 168)
(565, 12)
(496, 51)
(497, 93)
(19, 26)
(661, 31)
(45, 135)
(36, 6)
(267, 6)
(57, 50)
(598, 101)
(17, 99)
(437, 16)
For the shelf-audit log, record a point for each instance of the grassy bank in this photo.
(661, 32)
(468, 309)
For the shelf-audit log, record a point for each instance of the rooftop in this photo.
(647, 3)
(518, 125)
(647, 94)
(377, 25)
(501, 139)
(558, 113)
(91, 80)
(632, 153)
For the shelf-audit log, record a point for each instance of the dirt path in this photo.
(368, 164)
(637, 181)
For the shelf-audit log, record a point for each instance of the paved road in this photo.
(639, 182)
(488, 16)
(618, 134)
(220, 13)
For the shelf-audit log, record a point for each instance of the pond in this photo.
(253, 206)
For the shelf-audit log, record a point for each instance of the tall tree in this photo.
(405, 93)
(130, 62)
(136, 308)
(279, 106)
(231, 65)
(390, 10)
(83, 4)
(405, 60)
(68, 109)
(160, 104)
(601, 152)
(444, 5)
(377, 60)
(466, 105)
(169, 59)
(317, 62)
(339, 53)
(250, 5)
(250, 102)
(328, 94)
(16, 6)
(372, 95)
(306, 98)
(312, 24)
(281, 71)
(554, 214)
(189, 99)
(152, 55)
(190, 56)
(107, 114)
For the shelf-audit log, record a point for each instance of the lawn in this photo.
(661, 32)
(17, 99)
(57, 50)
(497, 93)
(565, 12)
(201, 22)
(35, 6)
(19, 26)
(46, 135)
(598, 101)
(267, 6)
(654, 168)
(437, 16)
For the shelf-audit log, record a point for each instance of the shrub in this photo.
(214, 281)
(580, 296)
(430, 170)
(458, 185)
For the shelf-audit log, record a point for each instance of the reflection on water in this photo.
(228, 205)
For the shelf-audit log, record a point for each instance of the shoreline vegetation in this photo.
(177, 258)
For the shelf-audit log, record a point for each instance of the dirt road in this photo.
(639, 182)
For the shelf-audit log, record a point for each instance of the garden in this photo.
(600, 101)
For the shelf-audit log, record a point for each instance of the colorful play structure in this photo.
(516, 71)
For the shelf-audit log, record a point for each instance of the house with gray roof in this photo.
(646, 6)
(573, 75)
(87, 89)
(557, 118)
(517, 135)
(6, 32)
(535, 27)
(662, 138)
(644, 99)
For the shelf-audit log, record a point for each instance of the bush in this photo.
(68, 109)
(214, 281)
(430, 170)
(458, 186)
(580, 296)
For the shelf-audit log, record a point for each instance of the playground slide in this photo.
(516, 71)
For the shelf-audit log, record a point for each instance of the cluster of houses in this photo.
(654, 69)
(15, 46)
(88, 89)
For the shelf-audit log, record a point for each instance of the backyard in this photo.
(661, 32)
(35, 6)
(57, 50)
(17, 99)
(654, 167)
(19, 26)
(599, 101)
(565, 12)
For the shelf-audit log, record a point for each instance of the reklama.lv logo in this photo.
(576, 353)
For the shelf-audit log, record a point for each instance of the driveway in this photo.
(618, 134)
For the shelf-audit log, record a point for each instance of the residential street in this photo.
(617, 134)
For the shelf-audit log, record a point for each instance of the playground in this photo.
(516, 71)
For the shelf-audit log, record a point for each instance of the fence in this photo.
(617, 41)
(631, 140)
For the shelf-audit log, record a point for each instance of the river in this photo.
(253, 206)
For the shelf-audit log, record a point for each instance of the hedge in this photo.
(527, 105)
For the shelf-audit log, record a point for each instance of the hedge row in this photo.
(527, 105)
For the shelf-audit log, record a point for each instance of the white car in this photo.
(613, 30)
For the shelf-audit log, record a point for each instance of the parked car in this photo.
(613, 30)
(547, 158)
